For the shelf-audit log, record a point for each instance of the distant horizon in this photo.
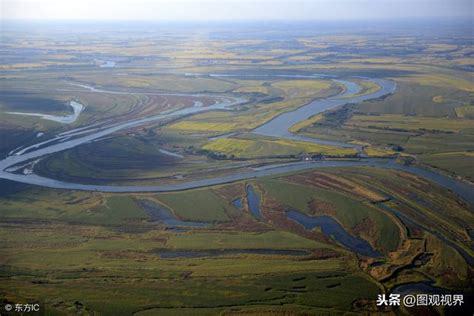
(234, 10)
(456, 20)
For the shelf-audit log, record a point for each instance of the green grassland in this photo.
(465, 111)
(141, 159)
(280, 96)
(35, 204)
(409, 123)
(417, 99)
(430, 199)
(418, 94)
(15, 102)
(117, 158)
(423, 204)
(112, 246)
(94, 253)
(213, 240)
(424, 121)
(201, 205)
(415, 199)
(17, 93)
(366, 87)
(453, 162)
(349, 212)
(302, 88)
(171, 83)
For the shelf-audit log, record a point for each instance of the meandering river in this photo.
(277, 127)
(77, 108)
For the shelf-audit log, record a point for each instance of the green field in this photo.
(204, 251)
(203, 205)
(424, 121)
(274, 240)
(350, 213)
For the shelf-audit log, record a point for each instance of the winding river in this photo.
(77, 108)
(277, 127)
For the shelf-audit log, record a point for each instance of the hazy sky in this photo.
(186, 10)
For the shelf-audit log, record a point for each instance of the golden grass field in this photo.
(250, 148)
(395, 121)
(306, 123)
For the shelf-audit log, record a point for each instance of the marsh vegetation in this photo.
(231, 248)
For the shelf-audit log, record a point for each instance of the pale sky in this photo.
(216, 10)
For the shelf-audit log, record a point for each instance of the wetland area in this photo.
(215, 170)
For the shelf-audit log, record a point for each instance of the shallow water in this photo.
(108, 64)
(67, 119)
(161, 214)
(238, 203)
(424, 287)
(169, 153)
(253, 202)
(83, 135)
(333, 229)
(280, 125)
(469, 259)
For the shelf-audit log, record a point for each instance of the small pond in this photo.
(333, 229)
(253, 202)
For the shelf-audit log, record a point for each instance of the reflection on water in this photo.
(279, 126)
(93, 132)
(253, 202)
(238, 203)
(161, 214)
(66, 119)
(425, 287)
(333, 229)
(405, 219)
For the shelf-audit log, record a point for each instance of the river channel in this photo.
(277, 127)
